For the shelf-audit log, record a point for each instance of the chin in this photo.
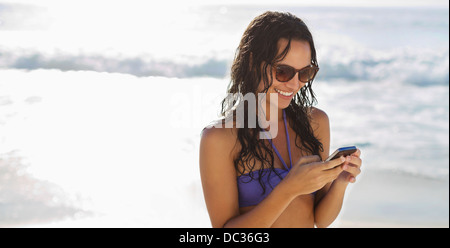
(283, 104)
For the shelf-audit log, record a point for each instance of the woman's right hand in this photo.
(310, 174)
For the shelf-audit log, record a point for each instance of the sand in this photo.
(383, 199)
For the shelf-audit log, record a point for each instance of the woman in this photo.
(244, 183)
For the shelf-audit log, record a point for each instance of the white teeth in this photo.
(284, 93)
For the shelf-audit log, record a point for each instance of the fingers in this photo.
(354, 170)
(333, 173)
(353, 167)
(353, 160)
(308, 159)
(332, 163)
(357, 153)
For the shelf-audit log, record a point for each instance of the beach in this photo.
(105, 132)
(391, 200)
(101, 161)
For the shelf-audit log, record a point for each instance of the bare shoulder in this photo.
(320, 124)
(216, 135)
(218, 174)
(215, 140)
(318, 116)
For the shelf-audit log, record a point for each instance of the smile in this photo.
(284, 93)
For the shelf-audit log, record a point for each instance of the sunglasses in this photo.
(285, 73)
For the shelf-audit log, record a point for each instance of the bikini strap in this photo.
(287, 137)
(288, 145)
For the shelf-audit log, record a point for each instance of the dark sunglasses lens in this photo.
(306, 74)
(284, 73)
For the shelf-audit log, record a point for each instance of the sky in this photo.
(439, 3)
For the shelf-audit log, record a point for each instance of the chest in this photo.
(282, 144)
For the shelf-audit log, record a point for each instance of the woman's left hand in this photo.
(352, 168)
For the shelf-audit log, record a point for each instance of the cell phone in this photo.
(343, 151)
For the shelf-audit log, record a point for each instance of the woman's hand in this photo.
(310, 174)
(352, 168)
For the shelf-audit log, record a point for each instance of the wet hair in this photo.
(257, 51)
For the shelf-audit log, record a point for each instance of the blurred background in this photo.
(102, 104)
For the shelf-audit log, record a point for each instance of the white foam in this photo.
(201, 40)
(128, 145)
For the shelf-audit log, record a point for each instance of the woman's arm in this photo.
(321, 128)
(329, 207)
(328, 202)
(220, 186)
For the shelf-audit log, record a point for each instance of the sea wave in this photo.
(407, 65)
(421, 67)
(140, 66)
(407, 45)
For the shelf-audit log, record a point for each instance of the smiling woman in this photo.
(244, 184)
(100, 98)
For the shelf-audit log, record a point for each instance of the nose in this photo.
(295, 84)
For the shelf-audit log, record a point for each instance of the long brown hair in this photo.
(259, 46)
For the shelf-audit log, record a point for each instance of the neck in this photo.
(279, 113)
(270, 117)
(273, 118)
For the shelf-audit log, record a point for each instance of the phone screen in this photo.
(343, 151)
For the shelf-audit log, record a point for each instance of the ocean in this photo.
(101, 112)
